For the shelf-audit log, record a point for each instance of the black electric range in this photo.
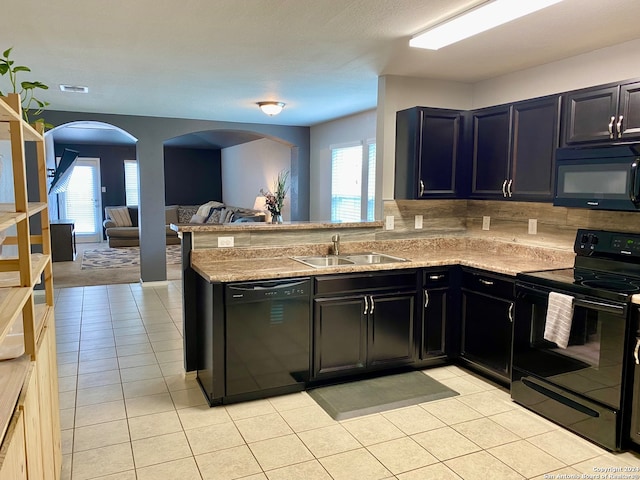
(587, 386)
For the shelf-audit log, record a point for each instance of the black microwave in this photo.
(604, 177)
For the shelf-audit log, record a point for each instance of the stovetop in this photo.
(607, 265)
(592, 283)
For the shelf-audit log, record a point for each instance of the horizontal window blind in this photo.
(78, 199)
(131, 182)
(346, 184)
(371, 183)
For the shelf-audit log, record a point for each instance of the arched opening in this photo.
(229, 166)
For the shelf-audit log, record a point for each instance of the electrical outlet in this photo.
(486, 221)
(389, 222)
(418, 224)
(225, 241)
(104, 189)
(533, 226)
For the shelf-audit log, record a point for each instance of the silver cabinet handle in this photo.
(635, 351)
(619, 126)
(366, 305)
(373, 304)
(426, 298)
(421, 188)
(509, 187)
(613, 119)
(436, 277)
(504, 188)
(485, 282)
(511, 312)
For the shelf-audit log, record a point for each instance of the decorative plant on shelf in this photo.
(274, 200)
(25, 89)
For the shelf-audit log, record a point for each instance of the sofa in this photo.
(121, 222)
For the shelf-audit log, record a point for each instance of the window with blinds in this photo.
(77, 199)
(131, 182)
(352, 180)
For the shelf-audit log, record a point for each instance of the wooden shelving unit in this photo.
(19, 275)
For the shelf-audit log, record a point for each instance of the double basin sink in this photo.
(367, 258)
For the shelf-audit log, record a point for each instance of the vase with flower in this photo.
(274, 199)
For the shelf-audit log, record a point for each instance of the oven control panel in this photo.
(589, 242)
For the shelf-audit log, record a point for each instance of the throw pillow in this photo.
(228, 218)
(120, 216)
(197, 219)
(185, 212)
(214, 216)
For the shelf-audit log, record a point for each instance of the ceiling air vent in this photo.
(74, 88)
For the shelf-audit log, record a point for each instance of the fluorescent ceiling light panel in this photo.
(486, 16)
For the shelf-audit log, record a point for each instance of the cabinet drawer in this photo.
(488, 283)
(435, 278)
(341, 284)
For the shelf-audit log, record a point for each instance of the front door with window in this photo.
(82, 200)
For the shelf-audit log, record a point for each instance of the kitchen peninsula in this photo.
(263, 253)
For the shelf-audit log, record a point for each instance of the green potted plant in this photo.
(26, 89)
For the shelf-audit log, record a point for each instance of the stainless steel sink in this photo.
(367, 258)
(371, 258)
(324, 261)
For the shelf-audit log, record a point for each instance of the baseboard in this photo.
(159, 283)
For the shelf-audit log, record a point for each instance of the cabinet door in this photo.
(630, 111)
(533, 148)
(486, 331)
(427, 151)
(439, 144)
(30, 406)
(434, 322)
(391, 319)
(588, 114)
(490, 152)
(339, 335)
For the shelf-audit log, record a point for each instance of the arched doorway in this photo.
(103, 152)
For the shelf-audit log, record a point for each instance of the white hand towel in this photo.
(558, 322)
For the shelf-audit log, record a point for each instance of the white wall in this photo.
(398, 93)
(354, 128)
(606, 65)
(248, 167)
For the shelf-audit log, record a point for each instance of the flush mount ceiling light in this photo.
(271, 108)
(486, 16)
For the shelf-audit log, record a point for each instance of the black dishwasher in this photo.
(267, 336)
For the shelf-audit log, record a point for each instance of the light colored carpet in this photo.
(122, 257)
(71, 274)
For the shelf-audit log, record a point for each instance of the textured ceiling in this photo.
(205, 59)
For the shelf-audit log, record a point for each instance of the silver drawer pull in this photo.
(619, 126)
(366, 305)
(485, 282)
(613, 119)
(373, 304)
(635, 351)
(426, 299)
(436, 277)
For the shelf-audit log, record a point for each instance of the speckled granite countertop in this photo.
(232, 265)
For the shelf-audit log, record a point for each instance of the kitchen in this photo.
(518, 227)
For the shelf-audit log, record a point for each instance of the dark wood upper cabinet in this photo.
(428, 144)
(602, 114)
(514, 150)
(533, 149)
(490, 153)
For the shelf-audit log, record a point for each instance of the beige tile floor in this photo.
(127, 412)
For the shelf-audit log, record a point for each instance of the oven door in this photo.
(592, 364)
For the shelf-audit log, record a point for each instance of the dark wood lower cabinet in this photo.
(487, 323)
(339, 335)
(363, 331)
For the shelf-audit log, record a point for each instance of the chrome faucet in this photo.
(336, 244)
